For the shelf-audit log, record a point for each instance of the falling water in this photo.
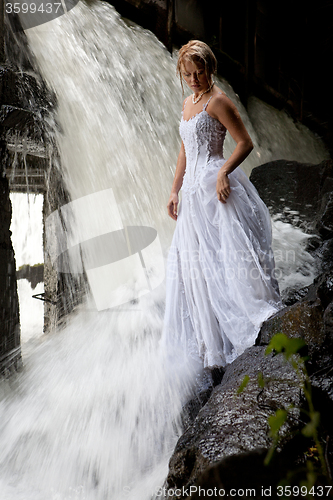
(95, 413)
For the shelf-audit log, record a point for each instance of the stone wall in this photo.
(10, 352)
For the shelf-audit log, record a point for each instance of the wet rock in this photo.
(192, 408)
(302, 319)
(244, 476)
(231, 424)
(323, 255)
(328, 321)
(324, 223)
(305, 318)
(312, 319)
(290, 189)
(211, 379)
(291, 295)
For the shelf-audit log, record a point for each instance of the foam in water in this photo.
(94, 411)
(95, 414)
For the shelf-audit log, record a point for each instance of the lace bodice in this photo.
(203, 137)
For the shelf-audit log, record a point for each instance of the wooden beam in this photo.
(21, 172)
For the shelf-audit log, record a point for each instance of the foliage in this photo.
(291, 349)
(243, 384)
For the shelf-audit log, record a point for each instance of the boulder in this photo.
(310, 318)
(230, 424)
(244, 475)
(299, 193)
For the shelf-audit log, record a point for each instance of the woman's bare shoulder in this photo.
(221, 104)
(221, 98)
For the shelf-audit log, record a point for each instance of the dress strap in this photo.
(185, 104)
(205, 105)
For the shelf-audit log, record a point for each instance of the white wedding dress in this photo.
(220, 283)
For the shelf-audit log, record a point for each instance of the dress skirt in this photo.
(220, 282)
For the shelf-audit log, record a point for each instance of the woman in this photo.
(220, 283)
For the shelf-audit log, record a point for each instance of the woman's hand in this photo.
(222, 186)
(172, 205)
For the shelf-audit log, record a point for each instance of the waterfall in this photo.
(95, 414)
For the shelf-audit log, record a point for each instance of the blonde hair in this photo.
(198, 53)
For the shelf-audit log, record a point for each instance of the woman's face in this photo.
(195, 76)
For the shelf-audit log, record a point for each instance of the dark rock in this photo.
(288, 187)
(323, 288)
(322, 376)
(305, 318)
(211, 379)
(328, 320)
(244, 474)
(302, 319)
(217, 375)
(313, 243)
(231, 424)
(225, 476)
(192, 408)
(292, 295)
(325, 217)
(323, 255)
(328, 185)
(312, 319)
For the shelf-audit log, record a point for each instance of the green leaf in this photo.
(277, 343)
(269, 455)
(243, 384)
(261, 380)
(276, 421)
(310, 429)
(281, 343)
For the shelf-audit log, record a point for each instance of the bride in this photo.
(220, 283)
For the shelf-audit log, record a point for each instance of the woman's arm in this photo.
(226, 112)
(177, 183)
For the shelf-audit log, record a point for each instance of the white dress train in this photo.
(220, 283)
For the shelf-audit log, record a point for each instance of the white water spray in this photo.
(95, 414)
